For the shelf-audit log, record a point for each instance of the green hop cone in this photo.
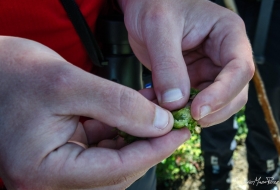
(182, 118)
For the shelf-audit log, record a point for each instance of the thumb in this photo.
(111, 103)
(169, 71)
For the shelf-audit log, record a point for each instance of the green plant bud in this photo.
(182, 118)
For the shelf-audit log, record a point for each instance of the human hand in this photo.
(41, 99)
(192, 43)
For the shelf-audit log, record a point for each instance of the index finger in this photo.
(229, 47)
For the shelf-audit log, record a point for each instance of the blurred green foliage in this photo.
(184, 161)
(242, 130)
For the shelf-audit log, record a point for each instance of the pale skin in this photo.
(42, 97)
(200, 43)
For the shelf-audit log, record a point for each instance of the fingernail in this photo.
(172, 95)
(204, 110)
(161, 118)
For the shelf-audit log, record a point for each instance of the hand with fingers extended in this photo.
(42, 143)
(192, 43)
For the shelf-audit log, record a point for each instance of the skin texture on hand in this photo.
(192, 43)
(41, 99)
(187, 43)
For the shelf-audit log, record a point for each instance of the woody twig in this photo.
(268, 114)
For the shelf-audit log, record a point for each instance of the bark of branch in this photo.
(268, 114)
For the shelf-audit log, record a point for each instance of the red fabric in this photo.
(45, 21)
(1, 184)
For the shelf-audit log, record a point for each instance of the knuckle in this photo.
(246, 69)
(233, 20)
(58, 80)
(127, 102)
(165, 64)
(57, 84)
(123, 102)
(237, 20)
(156, 15)
(251, 70)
